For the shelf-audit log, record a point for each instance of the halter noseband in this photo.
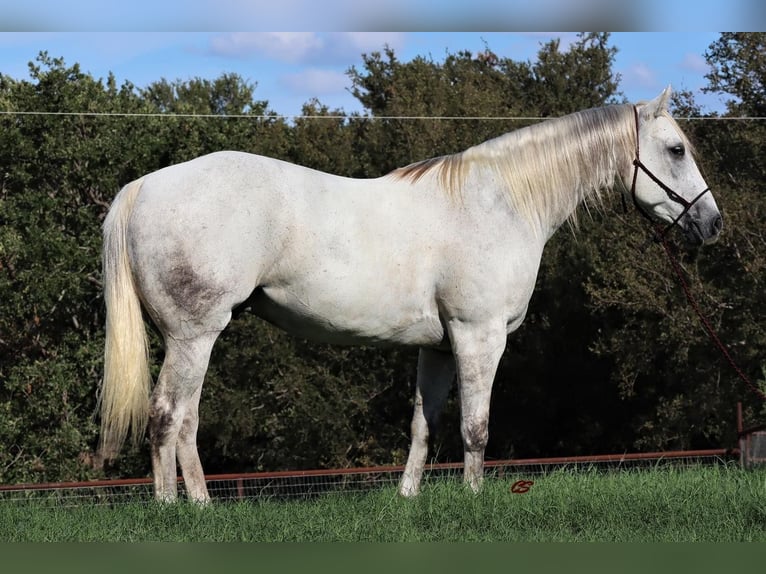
(672, 195)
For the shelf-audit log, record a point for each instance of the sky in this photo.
(659, 43)
(291, 68)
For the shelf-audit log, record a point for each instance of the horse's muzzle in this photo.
(699, 232)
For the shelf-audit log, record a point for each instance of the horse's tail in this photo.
(124, 397)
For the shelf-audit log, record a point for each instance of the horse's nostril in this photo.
(717, 225)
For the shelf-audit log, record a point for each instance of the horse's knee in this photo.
(475, 434)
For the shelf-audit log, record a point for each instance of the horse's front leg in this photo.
(477, 350)
(436, 370)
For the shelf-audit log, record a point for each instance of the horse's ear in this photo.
(654, 108)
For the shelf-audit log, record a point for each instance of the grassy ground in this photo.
(710, 504)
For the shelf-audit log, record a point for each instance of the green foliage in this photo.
(282, 403)
(59, 173)
(632, 368)
(738, 63)
(324, 140)
(667, 362)
(470, 85)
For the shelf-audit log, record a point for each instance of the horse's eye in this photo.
(678, 150)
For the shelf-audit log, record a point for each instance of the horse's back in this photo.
(229, 176)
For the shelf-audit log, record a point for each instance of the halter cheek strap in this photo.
(672, 195)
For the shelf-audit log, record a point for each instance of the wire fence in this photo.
(311, 483)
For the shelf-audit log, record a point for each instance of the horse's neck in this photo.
(544, 223)
(557, 193)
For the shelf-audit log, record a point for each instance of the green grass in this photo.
(710, 504)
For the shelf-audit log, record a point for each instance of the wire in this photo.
(326, 117)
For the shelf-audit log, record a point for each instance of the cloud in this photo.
(370, 41)
(303, 47)
(694, 63)
(288, 47)
(316, 82)
(641, 75)
(308, 64)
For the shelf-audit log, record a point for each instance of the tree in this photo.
(609, 358)
(684, 391)
(582, 77)
(738, 69)
(323, 139)
(70, 146)
(467, 87)
(201, 116)
(58, 175)
(737, 152)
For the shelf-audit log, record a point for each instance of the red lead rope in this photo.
(705, 322)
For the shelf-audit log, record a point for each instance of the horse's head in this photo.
(666, 184)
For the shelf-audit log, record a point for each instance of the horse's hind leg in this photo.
(173, 416)
(187, 455)
(436, 371)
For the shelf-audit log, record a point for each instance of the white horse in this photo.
(442, 254)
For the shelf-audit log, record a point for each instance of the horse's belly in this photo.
(372, 322)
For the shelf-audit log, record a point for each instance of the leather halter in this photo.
(672, 195)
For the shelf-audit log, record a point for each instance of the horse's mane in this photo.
(540, 165)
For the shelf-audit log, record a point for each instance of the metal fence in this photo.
(752, 442)
(310, 483)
